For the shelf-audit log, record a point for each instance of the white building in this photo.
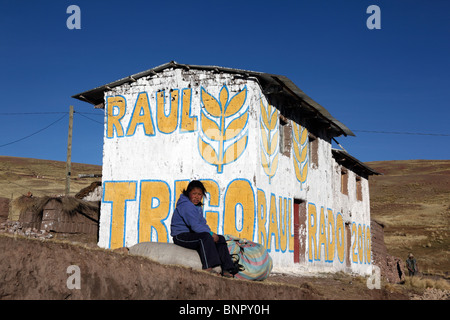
(260, 145)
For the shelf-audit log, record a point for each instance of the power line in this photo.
(407, 133)
(34, 133)
(97, 114)
(48, 112)
(83, 115)
(28, 113)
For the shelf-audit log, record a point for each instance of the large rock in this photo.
(167, 253)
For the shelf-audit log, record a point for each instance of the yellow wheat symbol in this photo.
(300, 146)
(222, 136)
(269, 139)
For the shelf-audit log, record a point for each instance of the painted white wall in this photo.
(176, 156)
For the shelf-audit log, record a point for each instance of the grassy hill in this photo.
(18, 176)
(411, 198)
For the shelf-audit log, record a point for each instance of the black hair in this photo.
(192, 185)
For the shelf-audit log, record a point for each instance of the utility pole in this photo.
(69, 152)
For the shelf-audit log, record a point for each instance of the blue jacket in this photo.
(187, 217)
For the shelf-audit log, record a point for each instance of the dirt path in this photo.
(37, 269)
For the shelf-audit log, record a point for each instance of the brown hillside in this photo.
(18, 176)
(412, 200)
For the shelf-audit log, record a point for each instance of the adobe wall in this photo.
(391, 268)
(4, 209)
(64, 215)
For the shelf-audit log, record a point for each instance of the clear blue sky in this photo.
(393, 79)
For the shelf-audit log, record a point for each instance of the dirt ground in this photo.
(38, 269)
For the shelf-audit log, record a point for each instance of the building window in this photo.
(358, 189)
(344, 181)
(313, 150)
(285, 136)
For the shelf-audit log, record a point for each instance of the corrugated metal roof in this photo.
(271, 84)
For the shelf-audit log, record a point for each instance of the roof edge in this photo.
(353, 161)
(95, 96)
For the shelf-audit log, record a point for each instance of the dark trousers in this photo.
(212, 254)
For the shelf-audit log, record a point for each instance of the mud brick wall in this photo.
(55, 219)
(4, 209)
(30, 219)
(391, 267)
(379, 250)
